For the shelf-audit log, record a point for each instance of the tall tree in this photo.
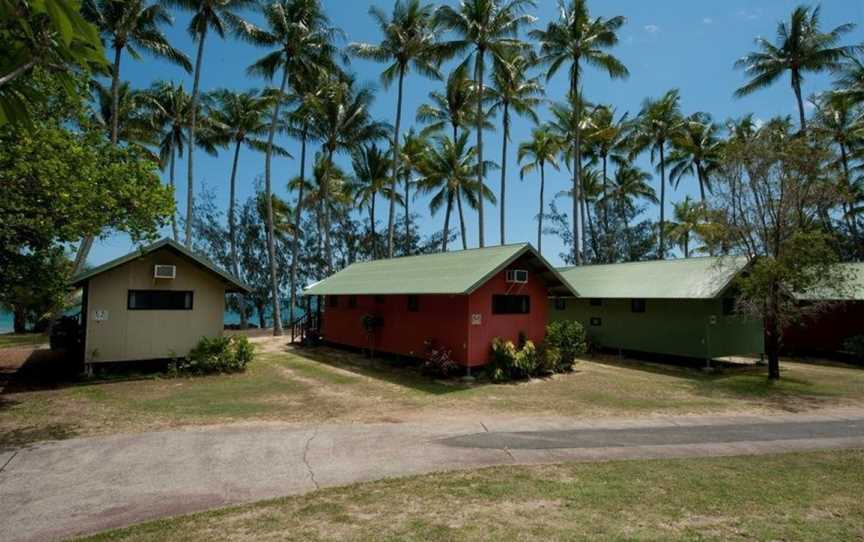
(658, 123)
(688, 221)
(512, 90)
(485, 27)
(581, 40)
(129, 116)
(696, 151)
(299, 36)
(629, 185)
(371, 179)
(412, 153)
(850, 78)
(207, 15)
(800, 47)
(411, 39)
(543, 148)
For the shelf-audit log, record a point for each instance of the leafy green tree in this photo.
(132, 25)
(543, 148)
(578, 39)
(454, 108)
(696, 151)
(630, 185)
(801, 47)
(411, 39)
(485, 27)
(850, 78)
(688, 222)
(412, 151)
(512, 90)
(659, 122)
(132, 119)
(371, 179)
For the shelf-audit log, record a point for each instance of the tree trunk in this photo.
(328, 245)
(262, 320)
(586, 212)
(796, 87)
(577, 167)
(772, 337)
(232, 231)
(540, 215)
(847, 211)
(115, 95)
(295, 244)
(701, 178)
(480, 204)
(392, 220)
(268, 192)
(662, 251)
(461, 219)
(17, 72)
(190, 156)
(407, 214)
(19, 322)
(171, 183)
(627, 235)
(606, 237)
(372, 228)
(447, 222)
(506, 127)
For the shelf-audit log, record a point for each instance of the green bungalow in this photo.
(679, 307)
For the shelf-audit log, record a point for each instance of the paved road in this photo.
(59, 489)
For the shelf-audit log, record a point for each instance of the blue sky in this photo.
(684, 44)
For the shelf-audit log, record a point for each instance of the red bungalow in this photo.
(460, 300)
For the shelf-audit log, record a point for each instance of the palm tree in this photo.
(412, 153)
(543, 148)
(371, 178)
(592, 192)
(607, 139)
(300, 36)
(207, 15)
(410, 40)
(132, 25)
(578, 38)
(629, 185)
(131, 120)
(801, 47)
(448, 171)
(688, 221)
(850, 78)
(169, 111)
(343, 123)
(659, 123)
(512, 89)
(696, 151)
(454, 108)
(328, 191)
(485, 26)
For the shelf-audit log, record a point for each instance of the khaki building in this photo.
(154, 303)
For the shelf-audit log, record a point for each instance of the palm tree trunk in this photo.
(372, 228)
(586, 212)
(447, 222)
(662, 251)
(540, 214)
(232, 231)
(847, 211)
(796, 87)
(190, 180)
(606, 237)
(627, 235)
(701, 178)
(295, 248)
(171, 183)
(577, 168)
(392, 219)
(268, 192)
(328, 245)
(407, 214)
(506, 127)
(479, 85)
(461, 219)
(115, 95)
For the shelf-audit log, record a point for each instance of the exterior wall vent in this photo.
(518, 276)
(165, 271)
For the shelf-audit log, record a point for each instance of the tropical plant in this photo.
(688, 221)
(132, 25)
(411, 39)
(659, 122)
(629, 185)
(412, 152)
(299, 36)
(511, 90)
(131, 120)
(850, 78)
(541, 149)
(568, 337)
(696, 151)
(454, 108)
(578, 39)
(371, 179)
(485, 27)
(801, 47)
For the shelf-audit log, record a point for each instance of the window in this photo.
(333, 301)
(511, 304)
(413, 303)
(596, 321)
(379, 299)
(164, 300)
(352, 301)
(594, 302)
(728, 306)
(637, 305)
(560, 304)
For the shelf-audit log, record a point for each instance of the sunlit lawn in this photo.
(8, 340)
(813, 496)
(328, 385)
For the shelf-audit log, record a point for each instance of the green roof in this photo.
(457, 272)
(688, 278)
(234, 284)
(853, 290)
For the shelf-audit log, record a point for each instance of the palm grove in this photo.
(802, 191)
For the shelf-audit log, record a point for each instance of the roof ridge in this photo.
(428, 254)
(673, 260)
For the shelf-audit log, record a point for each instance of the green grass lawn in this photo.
(812, 496)
(327, 385)
(8, 340)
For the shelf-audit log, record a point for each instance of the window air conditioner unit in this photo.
(519, 276)
(165, 271)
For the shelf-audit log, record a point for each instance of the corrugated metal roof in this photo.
(688, 278)
(853, 290)
(457, 272)
(235, 283)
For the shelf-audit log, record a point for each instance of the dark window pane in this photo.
(511, 304)
(379, 299)
(637, 305)
(413, 303)
(165, 300)
(596, 321)
(560, 304)
(728, 306)
(352, 301)
(596, 302)
(333, 301)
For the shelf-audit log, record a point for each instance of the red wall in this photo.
(446, 318)
(826, 332)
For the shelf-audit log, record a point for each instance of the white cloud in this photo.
(707, 20)
(652, 28)
(749, 14)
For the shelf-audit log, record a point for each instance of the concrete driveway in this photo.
(59, 489)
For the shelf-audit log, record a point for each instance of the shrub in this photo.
(855, 345)
(549, 359)
(215, 355)
(438, 362)
(526, 361)
(508, 362)
(569, 338)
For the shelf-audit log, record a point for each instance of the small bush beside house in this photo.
(564, 342)
(567, 337)
(218, 355)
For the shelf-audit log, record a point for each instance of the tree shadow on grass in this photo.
(22, 437)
